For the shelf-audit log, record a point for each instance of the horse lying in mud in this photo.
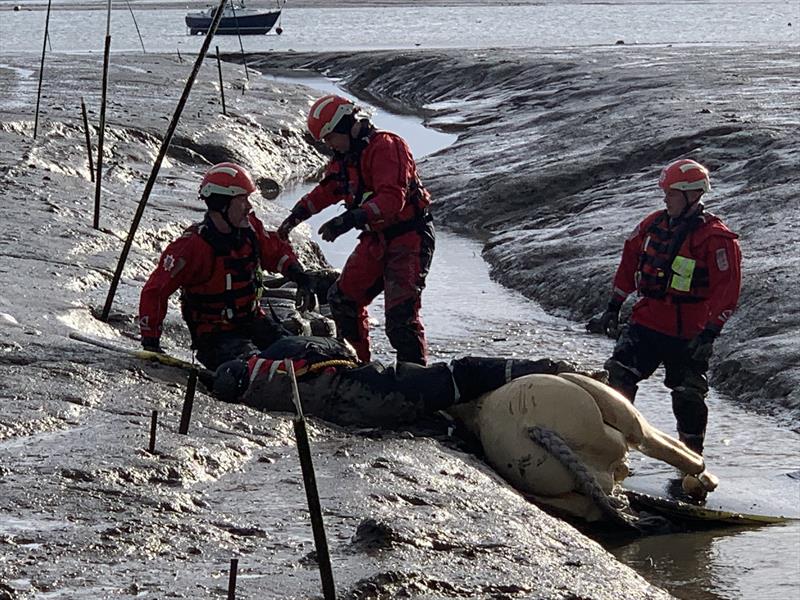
(537, 429)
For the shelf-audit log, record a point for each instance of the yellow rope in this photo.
(332, 363)
(320, 366)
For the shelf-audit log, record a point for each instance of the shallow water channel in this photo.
(465, 312)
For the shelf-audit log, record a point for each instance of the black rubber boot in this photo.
(693, 441)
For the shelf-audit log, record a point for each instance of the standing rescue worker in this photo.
(374, 174)
(217, 266)
(686, 266)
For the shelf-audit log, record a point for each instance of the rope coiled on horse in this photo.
(614, 508)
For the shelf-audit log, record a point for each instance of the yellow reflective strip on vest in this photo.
(682, 271)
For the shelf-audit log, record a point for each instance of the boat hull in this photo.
(241, 24)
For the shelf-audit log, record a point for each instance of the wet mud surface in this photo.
(88, 512)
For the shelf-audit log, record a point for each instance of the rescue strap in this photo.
(416, 224)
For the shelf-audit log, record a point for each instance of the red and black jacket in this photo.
(218, 275)
(380, 176)
(687, 272)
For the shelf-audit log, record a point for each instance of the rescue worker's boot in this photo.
(622, 378)
(694, 441)
(476, 375)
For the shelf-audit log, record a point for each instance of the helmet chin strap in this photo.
(224, 213)
(689, 204)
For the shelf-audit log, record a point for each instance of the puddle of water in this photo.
(13, 526)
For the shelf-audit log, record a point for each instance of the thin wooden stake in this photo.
(159, 159)
(88, 139)
(312, 494)
(180, 58)
(41, 70)
(102, 132)
(221, 83)
(135, 24)
(232, 579)
(153, 422)
(188, 402)
(241, 46)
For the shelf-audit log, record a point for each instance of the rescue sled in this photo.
(737, 501)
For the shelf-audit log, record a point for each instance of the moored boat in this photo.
(236, 20)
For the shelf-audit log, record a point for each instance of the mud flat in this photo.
(87, 512)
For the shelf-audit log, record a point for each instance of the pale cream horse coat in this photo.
(598, 424)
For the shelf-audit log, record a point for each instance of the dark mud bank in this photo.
(557, 160)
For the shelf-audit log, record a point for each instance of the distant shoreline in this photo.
(9, 5)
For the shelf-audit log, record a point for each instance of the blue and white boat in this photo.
(236, 20)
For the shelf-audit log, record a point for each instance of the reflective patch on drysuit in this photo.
(722, 260)
(273, 369)
(256, 369)
(456, 391)
(172, 266)
(282, 262)
(682, 271)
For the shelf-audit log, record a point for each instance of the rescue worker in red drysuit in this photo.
(334, 386)
(217, 266)
(686, 266)
(374, 173)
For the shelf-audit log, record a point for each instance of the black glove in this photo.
(152, 344)
(305, 299)
(701, 346)
(297, 216)
(342, 224)
(608, 322)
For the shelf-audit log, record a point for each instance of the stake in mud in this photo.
(232, 579)
(312, 494)
(188, 402)
(151, 447)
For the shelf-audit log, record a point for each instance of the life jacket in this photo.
(309, 355)
(352, 185)
(229, 297)
(668, 268)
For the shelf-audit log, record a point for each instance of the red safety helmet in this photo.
(225, 180)
(326, 113)
(684, 175)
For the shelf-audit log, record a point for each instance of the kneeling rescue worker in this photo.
(374, 173)
(217, 266)
(335, 386)
(686, 266)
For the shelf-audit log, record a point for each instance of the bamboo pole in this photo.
(241, 46)
(101, 134)
(159, 159)
(135, 24)
(88, 139)
(312, 494)
(221, 83)
(232, 579)
(41, 70)
(151, 447)
(188, 402)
